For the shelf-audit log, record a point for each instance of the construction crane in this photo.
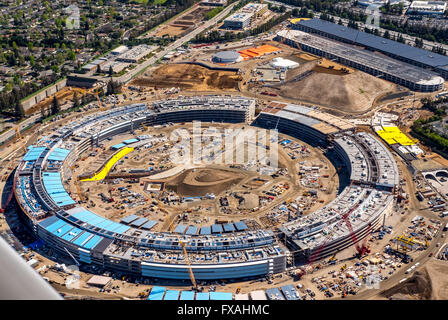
(76, 182)
(20, 139)
(329, 236)
(187, 260)
(145, 127)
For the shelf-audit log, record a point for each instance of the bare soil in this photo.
(189, 77)
(354, 92)
(198, 182)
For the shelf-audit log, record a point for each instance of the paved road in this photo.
(401, 273)
(131, 74)
(204, 25)
(428, 45)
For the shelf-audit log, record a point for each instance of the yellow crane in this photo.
(20, 139)
(76, 182)
(187, 260)
(145, 127)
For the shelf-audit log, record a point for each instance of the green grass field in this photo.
(213, 13)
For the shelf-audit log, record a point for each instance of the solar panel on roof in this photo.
(148, 225)
(228, 227)
(378, 43)
(180, 228)
(129, 219)
(139, 222)
(191, 230)
(217, 228)
(206, 230)
(240, 225)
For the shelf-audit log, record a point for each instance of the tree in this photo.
(42, 112)
(18, 108)
(55, 107)
(75, 100)
(111, 71)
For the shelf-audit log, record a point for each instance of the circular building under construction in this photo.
(227, 57)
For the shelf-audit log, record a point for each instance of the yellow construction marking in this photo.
(103, 173)
(394, 135)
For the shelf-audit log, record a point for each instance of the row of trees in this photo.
(422, 130)
(215, 36)
(422, 31)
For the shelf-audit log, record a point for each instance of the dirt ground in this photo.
(66, 94)
(171, 31)
(183, 23)
(354, 92)
(198, 182)
(188, 77)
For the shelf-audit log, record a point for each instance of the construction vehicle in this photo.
(332, 260)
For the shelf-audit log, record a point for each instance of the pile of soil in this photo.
(198, 182)
(354, 92)
(419, 287)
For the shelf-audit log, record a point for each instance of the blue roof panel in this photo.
(187, 295)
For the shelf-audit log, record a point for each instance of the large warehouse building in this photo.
(400, 51)
(412, 77)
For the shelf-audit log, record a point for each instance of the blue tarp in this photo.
(171, 295)
(157, 293)
(187, 295)
(129, 141)
(118, 146)
(220, 296)
(202, 296)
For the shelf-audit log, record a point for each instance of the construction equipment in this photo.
(332, 260)
(78, 188)
(187, 260)
(20, 139)
(145, 127)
